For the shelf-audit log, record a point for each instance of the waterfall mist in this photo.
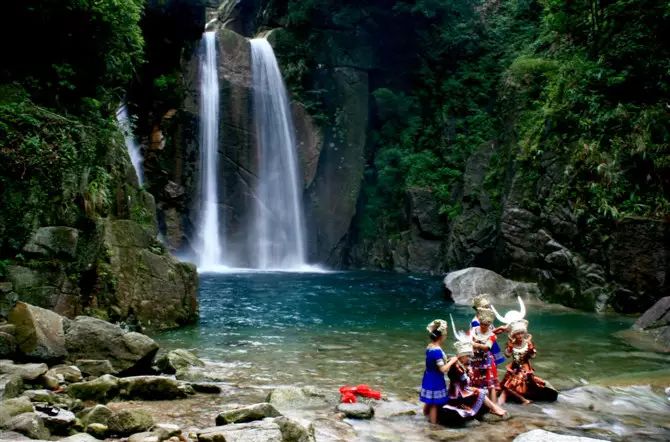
(123, 118)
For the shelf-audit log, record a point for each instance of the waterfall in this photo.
(209, 244)
(123, 119)
(277, 241)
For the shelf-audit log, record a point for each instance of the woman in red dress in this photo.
(485, 371)
(520, 381)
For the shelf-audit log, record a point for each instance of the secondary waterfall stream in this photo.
(123, 119)
(209, 245)
(278, 240)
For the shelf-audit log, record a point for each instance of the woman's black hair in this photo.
(435, 335)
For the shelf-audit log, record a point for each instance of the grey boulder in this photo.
(356, 411)
(247, 414)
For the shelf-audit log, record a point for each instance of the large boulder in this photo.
(39, 332)
(92, 338)
(102, 389)
(127, 422)
(53, 241)
(265, 430)
(464, 285)
(293, 431)
(652, 330)
(178, 360)
(247, 414)
(151, 285)
(151, 388)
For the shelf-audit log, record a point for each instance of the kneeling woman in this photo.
(520, 381)
(433, 386)
(465, 399)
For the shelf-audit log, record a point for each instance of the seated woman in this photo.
(520, 382)
(464, 399)
(484, 369)
(433, 387)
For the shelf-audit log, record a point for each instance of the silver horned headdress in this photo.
(512, 315)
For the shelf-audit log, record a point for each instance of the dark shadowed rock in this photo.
(88, 337)
(247, 414)
(53, 241)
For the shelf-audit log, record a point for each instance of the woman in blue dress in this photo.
(434, 387)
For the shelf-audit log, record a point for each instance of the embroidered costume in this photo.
(497, 353)
(463, 398)
(484, 369)
(520, 376)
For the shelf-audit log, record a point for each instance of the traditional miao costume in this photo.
(433, 385)
(464, 399)
(484, 369)
(520, 376)
(482, 302)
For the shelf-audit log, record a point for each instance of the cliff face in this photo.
(502, 213)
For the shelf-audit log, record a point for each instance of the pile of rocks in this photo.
(69, 369)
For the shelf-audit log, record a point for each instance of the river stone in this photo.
(97, 430)
(13, 407)
(92, 338)
(53, 241)
(94, 367)
(145, 436)
(151, 388)
(203, 387)
(7, 345)
(178, 360)
(465, 284)
(547, 436)
(357, 410)
(8, 299)
(293, 431)
(66, 373)
(102, 389)
(28, 372)
(97, 414)
(265, 430)
(10, 385)
(59, 423)
(127, 422)
(29, 424)
(39, 332)
(326, 429)
(80, 437)
(657, 316)
(247, 414)
(166, 431)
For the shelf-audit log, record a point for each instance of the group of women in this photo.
(474, 386)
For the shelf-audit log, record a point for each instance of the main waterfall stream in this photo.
(134, 152)
(209, 244)
(278, 239)
(261, 330)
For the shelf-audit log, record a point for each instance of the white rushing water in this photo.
(278, 238)
(209, 243)
(123, 119)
